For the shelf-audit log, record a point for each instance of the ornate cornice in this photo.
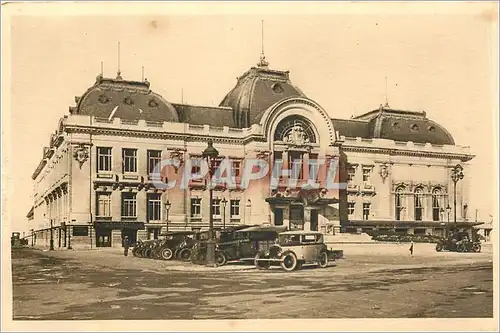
(411, 153)
(154, 134)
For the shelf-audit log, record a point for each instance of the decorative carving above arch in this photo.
(271, 115)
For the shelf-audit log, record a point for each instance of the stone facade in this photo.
(96, 184)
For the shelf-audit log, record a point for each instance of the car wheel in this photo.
(323, 260)
(439, 247)
(476, 248)
(220, 259)
(166, 254)
(185, 255)
(261, 264)
(289, 261)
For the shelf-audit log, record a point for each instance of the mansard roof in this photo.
(395, 124)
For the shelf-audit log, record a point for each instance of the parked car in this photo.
(459, 242)
(174, 243)
(239, 244)
(296, 248)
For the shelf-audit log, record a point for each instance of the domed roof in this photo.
(130, 100)
(397, 125)
(257, 90)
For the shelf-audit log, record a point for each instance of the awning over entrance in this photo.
(119, 225)
(410, 224)
(289, 200)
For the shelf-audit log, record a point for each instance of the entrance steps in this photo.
(345, 238)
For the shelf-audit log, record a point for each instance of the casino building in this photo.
(93, 184)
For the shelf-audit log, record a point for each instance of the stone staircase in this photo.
(345, 238)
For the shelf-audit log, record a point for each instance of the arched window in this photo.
(436, 204)
(295, 129)
(399, 202)
(419, 204)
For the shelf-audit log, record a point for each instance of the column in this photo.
(285, 166)
(307, 219)
(116, 205)
(305, 166)
(141, 198)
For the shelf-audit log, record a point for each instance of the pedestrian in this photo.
(411, 248)
(126, 245)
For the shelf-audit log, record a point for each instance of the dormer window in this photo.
(414, 127)
(432, 129)
(277, 88)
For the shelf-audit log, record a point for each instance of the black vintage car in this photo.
(459, 242)
(239, 245)
(177, 244)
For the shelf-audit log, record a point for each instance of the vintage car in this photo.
(238, 244)
(459, 242)
(176, 244)
(296, 248)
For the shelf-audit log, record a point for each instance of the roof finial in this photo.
(386, 98)
(182, 95)
(142, 73)
(102, 68)
(262, 63)
(118, 72)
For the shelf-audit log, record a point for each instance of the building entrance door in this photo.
(103, 237)
(131, 234)
(314, 220)
(278, 216)
(296, 217)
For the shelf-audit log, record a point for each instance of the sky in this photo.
(435, 59)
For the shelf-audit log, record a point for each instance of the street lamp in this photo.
(249, 208)
(210, 154)
(32, 237)
(51, 235)
(167, 209)
(456, 175)
(223, 203)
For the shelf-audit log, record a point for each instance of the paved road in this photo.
(98, 286)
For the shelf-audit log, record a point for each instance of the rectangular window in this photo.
(216, 207)
(295, 165)
(236, 165)
(366, 211)
(195, 207)
(366, 176)
(351, 172)
(350, 208)
(277, 165)
(80, 231)
(129, 158)
(154, 161)
(154, 207)
(129, 205)
(103, 159)
(196, 165)
(235, 208)
(418, 207)
(103, 205)
(313, 166)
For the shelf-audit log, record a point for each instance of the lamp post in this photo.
(210, 154)
(249, 208)
(51, 235)
(456, 175)
(223, 203)
(32, 237)
(167, 209)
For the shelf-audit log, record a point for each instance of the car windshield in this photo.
(299, 239)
